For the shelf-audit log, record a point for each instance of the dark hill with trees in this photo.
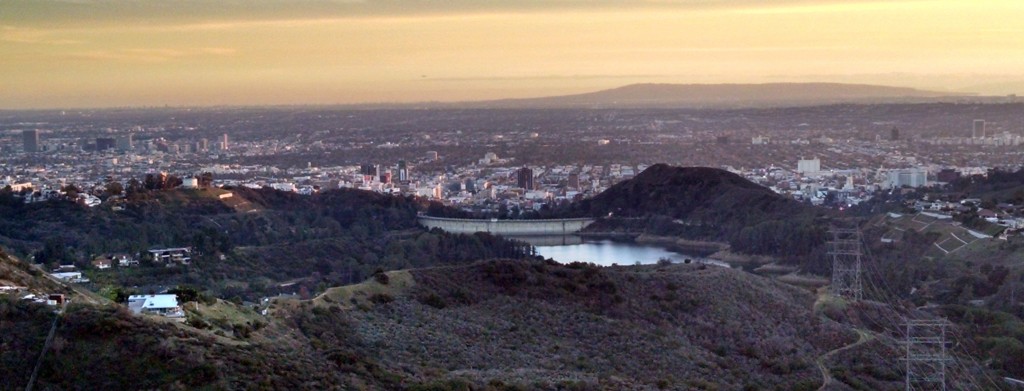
(707, 204)
(248, 244)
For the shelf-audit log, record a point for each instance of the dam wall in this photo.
(506, 227)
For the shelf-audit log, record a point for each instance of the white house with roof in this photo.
(164, 304)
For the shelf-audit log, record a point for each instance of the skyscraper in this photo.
(979, 129)
(525, 178)
(224, 144)
(368, 169)
(894, 134)
(105, 143)
(403, 171)
(30, 138)
(125, 143)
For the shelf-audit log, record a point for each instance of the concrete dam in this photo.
(507, 227)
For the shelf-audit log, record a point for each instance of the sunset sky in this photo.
(96, 53)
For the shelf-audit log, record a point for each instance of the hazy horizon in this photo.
(109, 53)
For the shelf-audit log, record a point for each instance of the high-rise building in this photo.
(105, 143)
(573, 181)
(30, 139)
(368, 169)
(403, 171)
(979, 129)
(525, 178)
(808, 166)
(224, 143)
(908, 177)
(204, 145)
(894, 134)
(125, 143)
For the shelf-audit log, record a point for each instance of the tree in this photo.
(206, 179)
(71, 191)
(185, 293)
(134, 187)
(114, 188)
(54, 252)
(171, 182)
(152, 182)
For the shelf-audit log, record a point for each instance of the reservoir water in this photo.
(608, 252)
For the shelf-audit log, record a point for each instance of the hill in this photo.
(707, 204)
(726, 95)
(490, 325)
(672, 327)
(503, 324)
(253, 243)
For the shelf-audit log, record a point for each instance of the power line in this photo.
(926, 354)
(844, 249)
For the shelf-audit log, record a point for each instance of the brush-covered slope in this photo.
(708, 203)
(16, 273)
(543, 325)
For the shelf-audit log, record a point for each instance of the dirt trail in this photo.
(864, 337)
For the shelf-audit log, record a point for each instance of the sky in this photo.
(115, 53)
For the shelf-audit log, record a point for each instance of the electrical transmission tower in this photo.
(927, 354)
(845, 251)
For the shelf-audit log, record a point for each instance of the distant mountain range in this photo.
(727, 95)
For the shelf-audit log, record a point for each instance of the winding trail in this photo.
(826, 375)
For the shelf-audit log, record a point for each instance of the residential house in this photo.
(180, 255)
(70, 276)
(102, 263)
(124, 260)
(163, 304)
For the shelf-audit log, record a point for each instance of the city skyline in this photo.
(67, 54)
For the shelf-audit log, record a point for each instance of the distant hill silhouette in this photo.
(729, 95)
(708, 203)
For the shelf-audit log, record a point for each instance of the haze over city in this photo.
(94, 53)
(498, 195)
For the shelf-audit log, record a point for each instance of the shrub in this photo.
(381, 298)
(433, 300)
(381, 277)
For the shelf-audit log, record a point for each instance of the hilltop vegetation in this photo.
(542, 325)
(244, 245)
(708, 204)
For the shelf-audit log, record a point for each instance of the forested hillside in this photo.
(245, 244)
(708, 204)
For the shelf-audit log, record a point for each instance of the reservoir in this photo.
(607, 252)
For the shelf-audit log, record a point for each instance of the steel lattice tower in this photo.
(927, 354)
(845, 251)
